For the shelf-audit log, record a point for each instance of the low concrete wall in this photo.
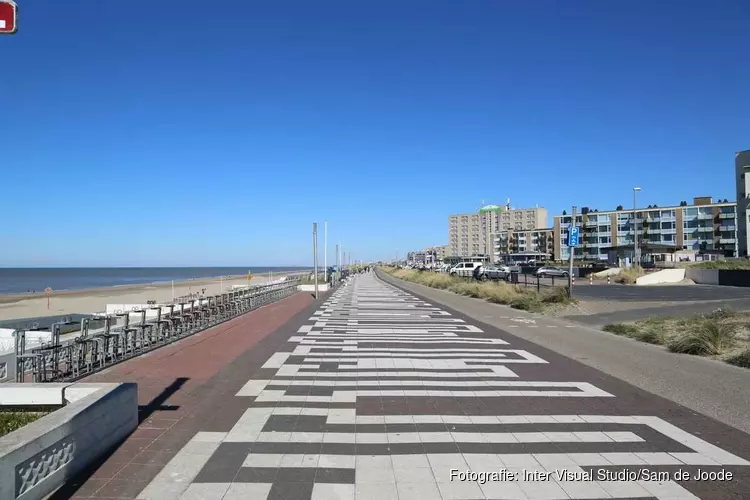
(734, 277)
(38, 458)
(663, 276)
(311, 288)
(703, 276)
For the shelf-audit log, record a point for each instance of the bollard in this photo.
(573, 280)
(609, 280)
(591, 279)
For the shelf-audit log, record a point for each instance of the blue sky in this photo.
(203, 133)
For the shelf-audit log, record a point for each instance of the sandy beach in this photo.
(27, 305)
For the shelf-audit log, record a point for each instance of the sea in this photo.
(23, 280)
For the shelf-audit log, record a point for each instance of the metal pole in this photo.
(315, 256)
(572, 253)
(221, 284)
(325, 251)
(338, 267)
(172, 290)
(635, 230)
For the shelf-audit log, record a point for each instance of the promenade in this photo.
(376, 393)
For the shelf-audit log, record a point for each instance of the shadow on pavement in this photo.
(72, 485)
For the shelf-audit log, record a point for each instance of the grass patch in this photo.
(12, 420)
(517, 297)
(722, 334)
(624, 329)
(722, 264)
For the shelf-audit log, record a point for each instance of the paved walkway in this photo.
(380, 395)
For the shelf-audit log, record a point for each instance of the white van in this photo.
(464, 269)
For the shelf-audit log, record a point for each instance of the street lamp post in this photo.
(636, 251)
(325, 252)
(315, 257)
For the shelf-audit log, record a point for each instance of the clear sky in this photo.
(214, 133)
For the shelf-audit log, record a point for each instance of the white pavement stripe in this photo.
(500, 371)
(350, 392)
(442, 437)
(276, 360)
(175, 478)
(253, 387)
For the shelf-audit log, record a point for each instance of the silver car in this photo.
(544, 272)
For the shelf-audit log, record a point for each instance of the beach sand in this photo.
(93, 300)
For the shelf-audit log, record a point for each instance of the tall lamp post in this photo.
(636, 251)
(325, 252)
(315, 257)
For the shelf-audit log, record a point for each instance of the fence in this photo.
(118, 339)
(524, 280)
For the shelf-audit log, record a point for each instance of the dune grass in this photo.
(721, 264)
(628, 276)
(517, 297)
(722, 335)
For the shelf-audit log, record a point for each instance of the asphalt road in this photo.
(679, 309)
(661, 293)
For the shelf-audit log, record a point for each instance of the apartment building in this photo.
(741, 170)
(704, 226)
(439, 252)
(523, 244)
(472, 233)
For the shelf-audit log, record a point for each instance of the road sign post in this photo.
(573, 236)
(8, 17)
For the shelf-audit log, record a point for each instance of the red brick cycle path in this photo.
(182, 388)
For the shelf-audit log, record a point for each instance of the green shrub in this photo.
(709, 339)
(12, 420)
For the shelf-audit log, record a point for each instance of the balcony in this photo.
(727, 228)
(705, 216)
(705, 229)
(727, 240)
(727, 215)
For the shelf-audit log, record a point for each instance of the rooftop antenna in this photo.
(509, 203)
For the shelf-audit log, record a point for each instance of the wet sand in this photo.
(31, 305)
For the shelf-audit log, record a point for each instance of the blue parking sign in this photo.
(573, 236)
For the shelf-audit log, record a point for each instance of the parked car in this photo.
(464, 269)
(484, 273)
(544, 272)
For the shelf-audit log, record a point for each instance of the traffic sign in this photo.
(573, 236)
(8, 15)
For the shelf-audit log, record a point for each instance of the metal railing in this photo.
(118, 339)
